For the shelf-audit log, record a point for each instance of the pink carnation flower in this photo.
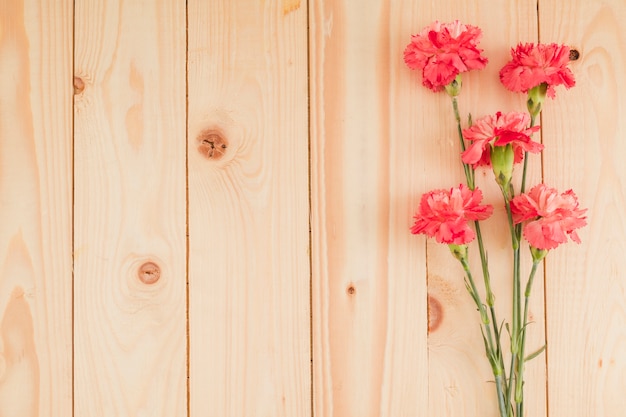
(444, 50)
(533, 65)
(552, 216)
(444, 214)
(499, 130)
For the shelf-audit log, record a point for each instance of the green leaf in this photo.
(474, 296)
(488, 351)
(535, 354)
(508, 329)
(501, 326)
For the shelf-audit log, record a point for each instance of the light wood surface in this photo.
(35, 208)
(222, 229)
(248, 210)
(368, 288)
(129, 229)
(586, 284)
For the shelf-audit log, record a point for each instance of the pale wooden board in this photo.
(369, 286)
(130, 338)
(248, 210)
(379, 140)
(35, 208)
(584, 132)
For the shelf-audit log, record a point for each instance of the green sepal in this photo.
(536, 97)
(454, 88)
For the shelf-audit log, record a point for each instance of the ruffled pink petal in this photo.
(553, 216)
(439, 73)
(532, 65)
(444, 214)
(499, 129)
(444, 50)
(474, 153)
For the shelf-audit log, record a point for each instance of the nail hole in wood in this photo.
(212, 144)
(574, 55)
(149, 273)
(79, 85)
(351, 290)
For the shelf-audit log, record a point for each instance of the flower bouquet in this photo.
(542, 216)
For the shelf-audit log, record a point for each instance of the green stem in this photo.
(523, 186)
(517, 351)
(481, 307)
(490, 298)
(501, 400)
(495, 364)
(509, 388)
(515, 330)
(469, 171)
(512, 228)
(519, 383)
(515, 321)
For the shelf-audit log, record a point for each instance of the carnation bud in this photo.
(502, 158)
(458, 251)
(454, 88)
(538, 254)
(536, 96)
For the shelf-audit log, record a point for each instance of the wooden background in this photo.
(205, 208)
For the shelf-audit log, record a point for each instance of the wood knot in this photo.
(149, 273)
(435, 314)
(351, 290)
(79, 85)
(574, 55)
(212, 144)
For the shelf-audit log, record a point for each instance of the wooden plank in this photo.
(369, 286)
(379, 140)
(586, 285)
(130, 252)
(248, 209)
(35, 208)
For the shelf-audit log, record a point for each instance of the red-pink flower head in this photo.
(499, 130)
(533, 65)
(444, 214)
(444, 50)
(552, 216)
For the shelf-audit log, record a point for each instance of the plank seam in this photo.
(187, 330)
(73, 203)
(308, 74)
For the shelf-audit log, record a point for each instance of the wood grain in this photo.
(248, 210)
(369, 286)
(129, 230)
(35, 208)
(586, 285)
(384, 314)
